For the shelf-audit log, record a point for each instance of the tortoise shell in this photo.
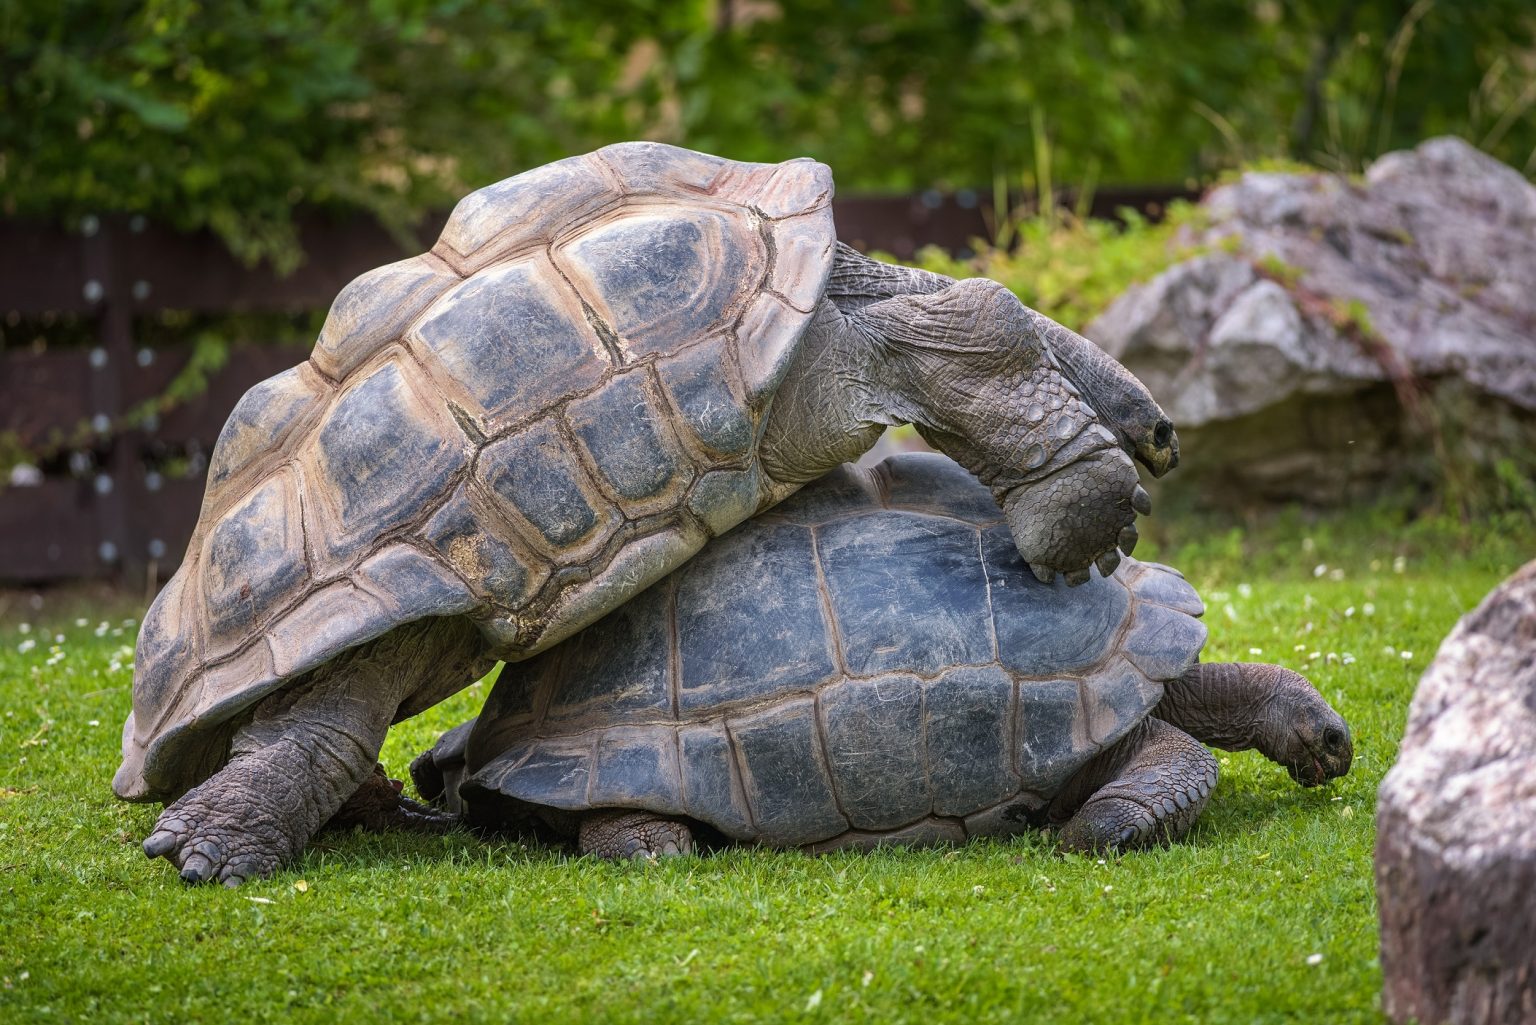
(546, 413)
(869, 661)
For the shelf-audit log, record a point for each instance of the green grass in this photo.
(1266, 914)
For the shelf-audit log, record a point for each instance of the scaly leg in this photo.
(1146, 790)
(633, 834)
(305, 751)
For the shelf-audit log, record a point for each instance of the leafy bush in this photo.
(230, 115)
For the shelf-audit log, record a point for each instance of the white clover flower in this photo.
(1246, 590)
(1399, 564)
(25, 628)
(1347, 659)
(1314, 959)
(1255, 651)
(1349, 612)
(1405, 655)
(1319, 569)
(1369, 608)
(26, 645)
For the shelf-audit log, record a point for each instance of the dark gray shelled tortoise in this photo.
(871, 662)
(600, 365)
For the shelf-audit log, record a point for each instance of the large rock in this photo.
(1338, 333)
(1456, 826)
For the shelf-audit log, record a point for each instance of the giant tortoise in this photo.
(871, 662)
(600, 365)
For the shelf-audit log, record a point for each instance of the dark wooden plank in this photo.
(48, 532)
(43, 393)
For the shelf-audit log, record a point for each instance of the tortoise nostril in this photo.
(1333, 738)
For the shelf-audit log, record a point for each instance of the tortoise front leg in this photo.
(305, 751)
(1146, 790)
(633, 834)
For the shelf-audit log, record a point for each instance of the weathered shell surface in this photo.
(547, 412)
(868, 660)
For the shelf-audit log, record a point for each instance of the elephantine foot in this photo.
(633, 834)
(1080, 516)
(212, 835)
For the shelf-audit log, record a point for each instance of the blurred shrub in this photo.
(230, 114)
(1071, 269)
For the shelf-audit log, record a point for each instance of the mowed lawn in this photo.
(1265, 914)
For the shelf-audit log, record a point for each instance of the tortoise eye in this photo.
(1162, 433)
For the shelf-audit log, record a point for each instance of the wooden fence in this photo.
(105, 507)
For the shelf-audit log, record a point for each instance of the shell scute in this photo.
(1115, 700)
(845, 491)
(935, 484)
(330, 620)
(524, 211)
(479, 554)
(374, 310)
(663, 276)
(260, 420)
(647, 168)
(969, 739)
(709, 402)
(786, 781)
(796, 187)
(379, 455)
(555, 771)
(514, 338)
(723, 498)
(874, 738)
(413, 585)
(623, 428)
(636, 767)
(740, 640)
(891, 618)
(1049, 630)
(1163, 643)
(711, 783)
(251, 560)
(537, 475)
(594, 688)
(1051, 740)
(801, 246)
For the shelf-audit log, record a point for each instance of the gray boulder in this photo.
(1337, 334)
(1456, 826)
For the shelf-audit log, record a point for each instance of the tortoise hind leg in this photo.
(633, 834)
(1146, 790)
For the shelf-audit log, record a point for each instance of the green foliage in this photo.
(1222, 928)
(1072, 269)
(231, 115)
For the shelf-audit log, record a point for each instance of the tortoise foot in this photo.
(633, 834)
(212, 837)
(378, 806)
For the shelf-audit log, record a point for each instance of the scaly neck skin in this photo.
(1239, 706)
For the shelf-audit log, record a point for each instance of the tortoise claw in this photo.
(1045, 576)
(1141, 501)
(1128, 539)
(1076, 577)
(1107, 563)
